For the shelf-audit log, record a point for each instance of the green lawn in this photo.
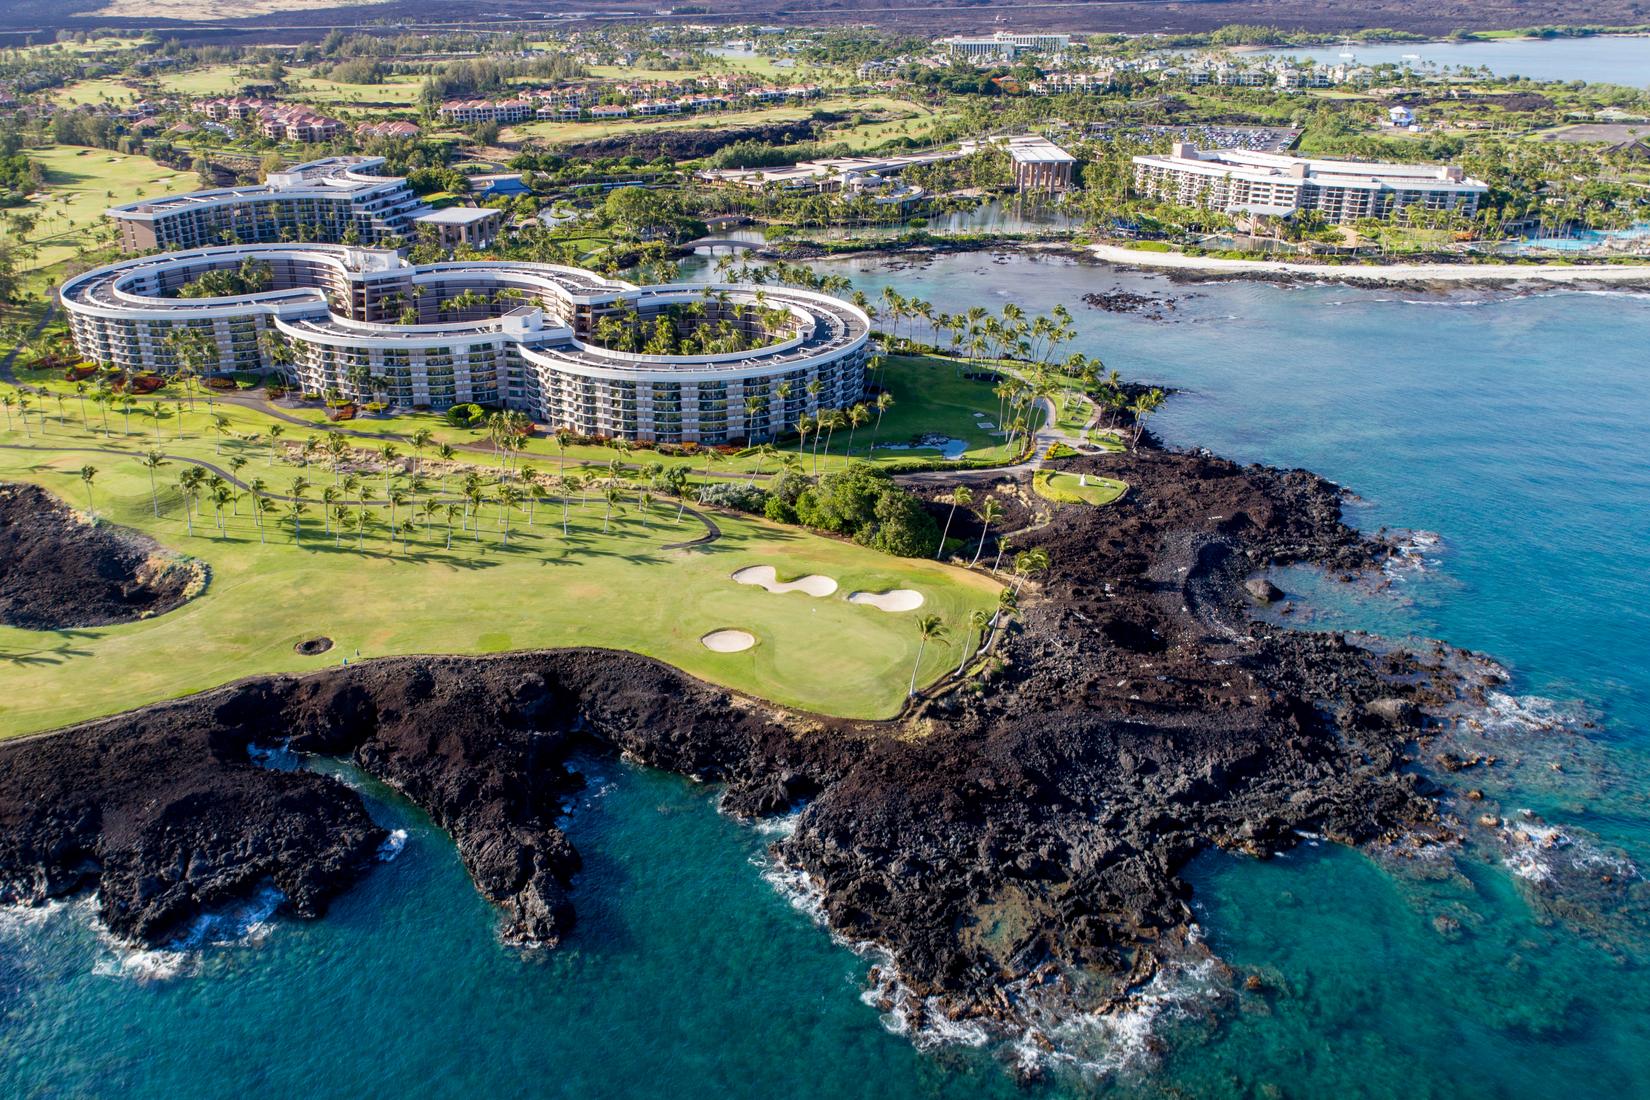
(105, 90)
(81, 183)
(1064, 488)
(931, 396)
(209, 81)
(398, 89)
(618, 590)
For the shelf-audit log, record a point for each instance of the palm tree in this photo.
(87, 473)
(1029, 563)
(858, 416)
(509, 498)
(153, 461)
(261, 505)
(530, 481)
(389, 454)
(420, 439)
(885, 401)
(295, 509)
(928, 627)
(961, 495)
(236, 464)
(220, 424)
(452, 512)
(988, 514)
(398, 498)
(804, 425)
(978, 621)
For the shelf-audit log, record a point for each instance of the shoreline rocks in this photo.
(1034, 826)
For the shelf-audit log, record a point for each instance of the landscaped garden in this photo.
(1068, 488)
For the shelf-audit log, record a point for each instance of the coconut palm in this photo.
(261, 506)
(978, 622)
(421, 438)
(613, 495)
(236, 465)
(87, 473)
(153, 461)
(532, 486)
(885, 401)
(929, 628)
(988, 514)
(858, 416)
(960, 496)
(804, 425)
(295, 510)
(509, 498)
(1029, 563)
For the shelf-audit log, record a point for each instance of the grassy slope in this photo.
(617, 590)
(81, 183)
(929, 396)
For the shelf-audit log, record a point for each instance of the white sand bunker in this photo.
(728, 641)
(814, 584)
(898, 599)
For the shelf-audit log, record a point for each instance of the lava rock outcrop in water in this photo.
(1020, 834)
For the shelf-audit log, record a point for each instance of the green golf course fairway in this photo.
(618, 590)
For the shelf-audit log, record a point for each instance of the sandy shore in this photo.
(1637, 274)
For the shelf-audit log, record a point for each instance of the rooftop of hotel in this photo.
(1282, 167)
(333, 175)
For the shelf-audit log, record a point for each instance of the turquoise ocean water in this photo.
(1515, 429)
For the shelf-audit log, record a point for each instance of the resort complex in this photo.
(1244, 182)
(335, 199)
(669, 364)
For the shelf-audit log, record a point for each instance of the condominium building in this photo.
(466, 112)
(535, 337)
(322, 201)
(1244, 182)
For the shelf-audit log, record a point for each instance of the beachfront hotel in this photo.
(1002, 45)
(322, 200)
(538, 338)
(1249, 183)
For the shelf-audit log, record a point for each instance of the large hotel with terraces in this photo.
(670, 364)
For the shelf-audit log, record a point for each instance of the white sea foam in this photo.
(392, 846)
(1543, 853)
(245, 923)
(1415, 552)
(1058, 1035)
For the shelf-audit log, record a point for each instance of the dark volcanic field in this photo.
(923, 17)
(58, 571)
(1003, 843)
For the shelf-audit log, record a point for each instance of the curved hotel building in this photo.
(554, 342)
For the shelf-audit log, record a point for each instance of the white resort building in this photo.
(1243, 182)
(716, 364)
(320, 200)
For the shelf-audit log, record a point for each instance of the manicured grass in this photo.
(931, 396)
(209, 81)
(81, 183)
(399, 89)
(617, 589)
(1064, 488)
(105, 90)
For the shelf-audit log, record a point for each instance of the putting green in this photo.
(617, 589)
(1064, 488)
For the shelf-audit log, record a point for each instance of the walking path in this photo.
(1628, 274)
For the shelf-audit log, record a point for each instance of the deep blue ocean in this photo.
(1514, 429)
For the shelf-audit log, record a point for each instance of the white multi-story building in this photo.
(322, 200)
(533, 337)
(1003, 44)
(1243, 182)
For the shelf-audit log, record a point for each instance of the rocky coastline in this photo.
(1018, 837)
